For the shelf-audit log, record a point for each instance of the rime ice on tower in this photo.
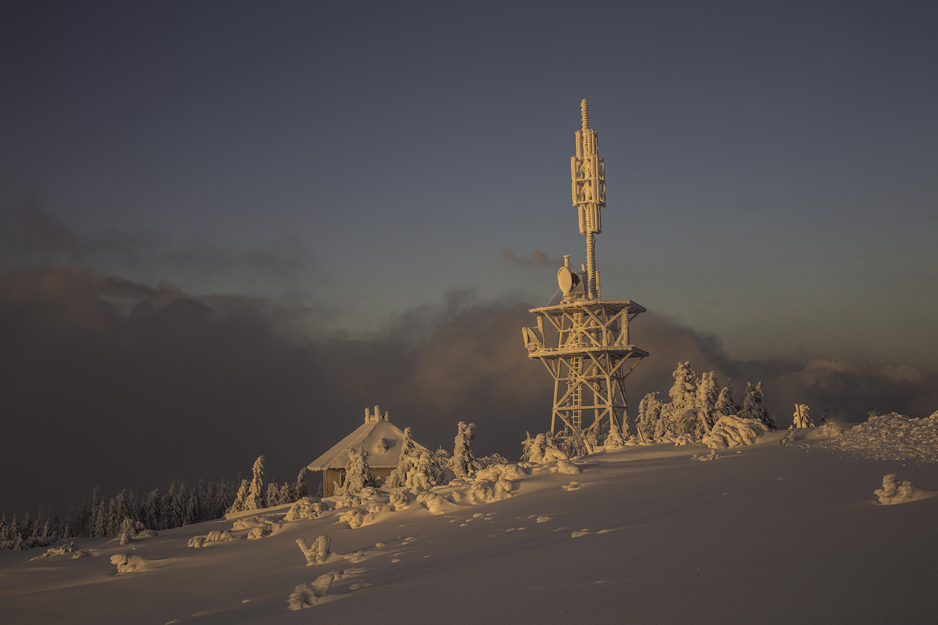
(584, 340)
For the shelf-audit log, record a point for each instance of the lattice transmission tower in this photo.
(584, 341)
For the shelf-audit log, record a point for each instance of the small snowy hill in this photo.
(660, 534)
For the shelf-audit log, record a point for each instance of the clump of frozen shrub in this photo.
(308, 595)
(128, 563)
(318, 552)
(542, 449)
(212, 537)
(356, 519)
(733, 431)
(56, 551)
(895, 492)
(306, 508)
(263, 531)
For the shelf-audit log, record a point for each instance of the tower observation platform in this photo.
(584, 341)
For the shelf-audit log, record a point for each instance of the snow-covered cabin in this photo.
(378, 436)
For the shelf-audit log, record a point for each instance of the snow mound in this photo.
(435, 504)
(733, 431)
(894, 491)
(306, 508)
(889, 437)
(683, 439)
(129, 563)
(308, 595)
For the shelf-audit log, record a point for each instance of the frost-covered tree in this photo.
(357, 473)
(405, 462)
(300, 489)
(614, 438)
(725, 405)
(241, 498)
(256, 499)
(753, 407)
(273, 495)
(683, 396)
(150, 515)
(760, 410)
(706, 400)
(463, 462)
(649, 415)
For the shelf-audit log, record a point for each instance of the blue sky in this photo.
(771, 167)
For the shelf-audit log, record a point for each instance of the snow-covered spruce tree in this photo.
(649, 415)
(273, 494)
(614, 439)
(706, 401)
(300, 489)
(238, 505)
(405, 462)
(357, 473)
(750, 409)
(150, 512)
(256, 499)
(683, 395)
(760, 410)
(725, 405)
(462, 462)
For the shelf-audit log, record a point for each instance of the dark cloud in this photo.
(30, 237)
(118, 384)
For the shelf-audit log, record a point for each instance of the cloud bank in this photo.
(114, 383)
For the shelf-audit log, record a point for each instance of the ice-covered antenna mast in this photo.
(584, 341)
(588, 175)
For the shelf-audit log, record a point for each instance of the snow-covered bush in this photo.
(895, 492)
(318, 553)
(263, 531)
(734, 431)
(129, 563)
(356, 519)
(541, 449)
(308, 595)
(306, 508)
(56, 551)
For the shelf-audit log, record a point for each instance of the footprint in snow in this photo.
(572, 486)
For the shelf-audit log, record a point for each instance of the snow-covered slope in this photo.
(759, 534)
